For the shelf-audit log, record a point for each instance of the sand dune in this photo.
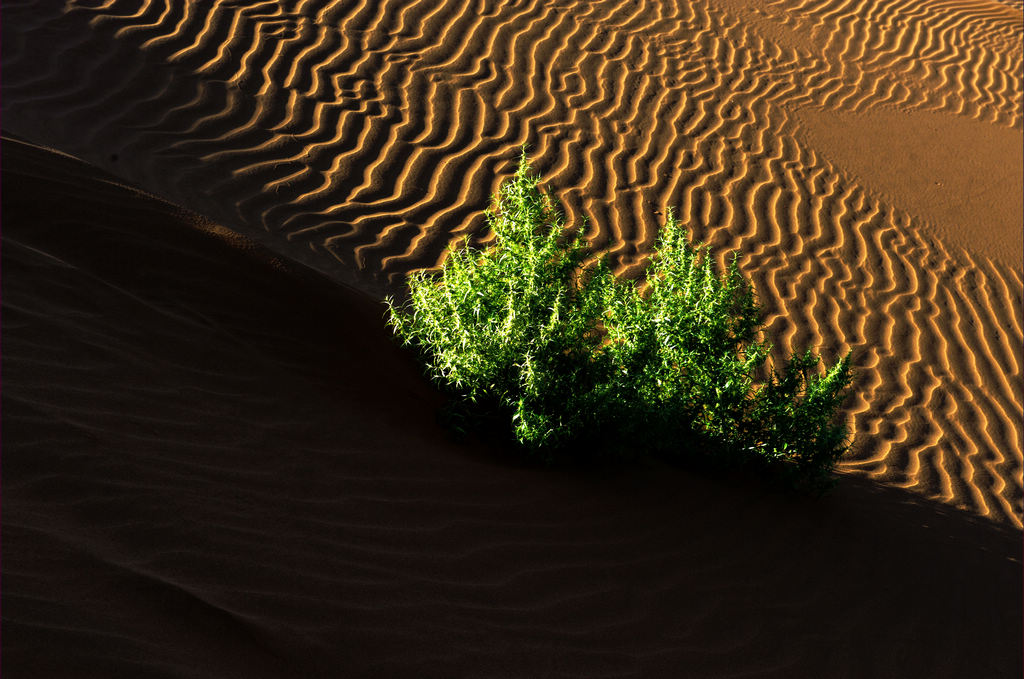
(862, 156)
(206, 474)
(360, 139)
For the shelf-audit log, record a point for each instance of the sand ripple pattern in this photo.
(939, 55)
(362, 138)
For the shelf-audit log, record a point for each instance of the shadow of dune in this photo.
(215, 466)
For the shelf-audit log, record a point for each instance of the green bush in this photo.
(578, 362)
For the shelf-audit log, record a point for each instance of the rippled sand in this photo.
(215, 464)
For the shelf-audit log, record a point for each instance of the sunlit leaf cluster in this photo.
(576, 361)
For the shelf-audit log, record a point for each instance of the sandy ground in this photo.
(215, 462)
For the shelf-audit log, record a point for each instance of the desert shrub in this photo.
(571, 359)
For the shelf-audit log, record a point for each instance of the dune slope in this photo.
(215, 464)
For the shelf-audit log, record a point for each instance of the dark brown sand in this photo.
(214, 467)
(216, 464)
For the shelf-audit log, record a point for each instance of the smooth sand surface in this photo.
(951, 171)
(216, 464)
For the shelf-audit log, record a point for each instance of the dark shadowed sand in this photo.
(218, 467)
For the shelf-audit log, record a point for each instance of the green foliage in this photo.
(577, 360)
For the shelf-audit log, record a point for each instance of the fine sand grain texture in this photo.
(214, 464)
